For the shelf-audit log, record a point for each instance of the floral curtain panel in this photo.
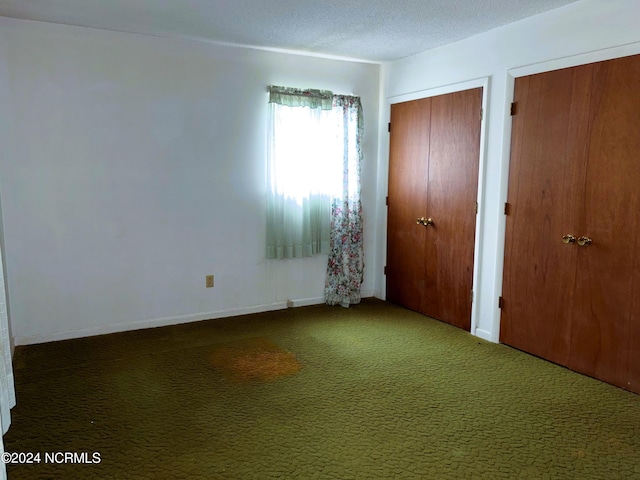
(295, 97)
(345, 270)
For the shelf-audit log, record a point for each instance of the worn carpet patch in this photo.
(253, 359)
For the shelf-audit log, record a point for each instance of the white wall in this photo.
(139, 167)
(7, 388)
(586, 31)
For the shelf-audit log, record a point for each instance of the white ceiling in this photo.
(374, 30)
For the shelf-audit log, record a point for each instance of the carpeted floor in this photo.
(370, 392)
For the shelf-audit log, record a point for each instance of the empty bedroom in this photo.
(297, 240)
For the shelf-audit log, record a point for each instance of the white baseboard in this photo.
(368, 294)
(305, 302)
(485, 335)
(152, 323)
(165, 321)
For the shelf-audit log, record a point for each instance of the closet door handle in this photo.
(420, 221)
(568, 238)
(428, 222)
(584, 241)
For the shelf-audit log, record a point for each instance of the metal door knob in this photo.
(568, 238)
(425, 221)
(584, 241)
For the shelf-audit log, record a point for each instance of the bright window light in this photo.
(306, 152)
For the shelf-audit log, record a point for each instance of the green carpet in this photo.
(370, 392)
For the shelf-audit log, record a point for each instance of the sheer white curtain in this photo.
(7, 389)
(304, 171)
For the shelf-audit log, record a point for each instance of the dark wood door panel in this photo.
(546, 187)
(408, 163)
(607, 281)
(453, 188)
(433, 172)
(575, 168)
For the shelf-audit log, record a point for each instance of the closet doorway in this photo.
(434, 156)
(571, 284)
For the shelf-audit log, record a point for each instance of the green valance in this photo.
(296, 97)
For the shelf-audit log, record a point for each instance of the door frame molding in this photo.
(485, 83)
(510, 77)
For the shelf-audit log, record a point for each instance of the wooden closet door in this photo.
(451, 203)
(408, 163)
(433, 173)
(546, 192)
(605, 328)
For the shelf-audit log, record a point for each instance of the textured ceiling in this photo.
(375, 30)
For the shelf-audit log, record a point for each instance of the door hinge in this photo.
(476, 208)
(507, 208)
(471, 296)
(500, 302)
(481, 113)
(513, 108)
(389, 127)
(385, 269)
(386, 201)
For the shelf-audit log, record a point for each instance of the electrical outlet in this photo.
(209, 281)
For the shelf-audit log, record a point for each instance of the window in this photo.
(313, 176)
(304, 171)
